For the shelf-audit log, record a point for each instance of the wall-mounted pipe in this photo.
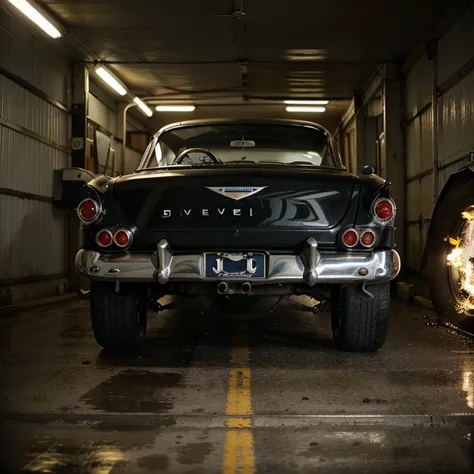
(435, 120)
(124, 133)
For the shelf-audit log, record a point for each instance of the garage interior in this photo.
(396, 82)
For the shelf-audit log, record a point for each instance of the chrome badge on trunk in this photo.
(236, 192)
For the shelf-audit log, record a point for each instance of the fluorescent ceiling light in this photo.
(110, 80)
(175, 108)
(144, 108)
(35, 16)
(306, 109)
(306, 102)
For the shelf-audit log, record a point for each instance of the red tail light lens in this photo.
(88, 210)
(367, 238)
(122, 238)
(384, 209)
(104, 238)
(350, 238)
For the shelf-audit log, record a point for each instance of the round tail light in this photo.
(384, 209)
(88, 210)
(350, 238)
(367, 238)
(104, 238)
(122, 238)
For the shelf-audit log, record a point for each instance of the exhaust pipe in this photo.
(222, 288)
(246, 288)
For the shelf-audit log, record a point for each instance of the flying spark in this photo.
(462, 258)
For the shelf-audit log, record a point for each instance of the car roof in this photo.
(220, 121)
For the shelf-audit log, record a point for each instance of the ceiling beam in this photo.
(296, 64)
(231, 104)
(271, 100)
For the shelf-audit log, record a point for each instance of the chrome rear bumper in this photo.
(310, 267)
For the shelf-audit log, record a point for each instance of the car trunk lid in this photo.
(235, 198)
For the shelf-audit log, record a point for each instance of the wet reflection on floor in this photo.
(70, 407)
(59, 458)
(331, 449)
(468, 387)
(133, 391)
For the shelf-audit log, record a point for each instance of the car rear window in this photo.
(234, 144)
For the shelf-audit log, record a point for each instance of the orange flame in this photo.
(461, 258)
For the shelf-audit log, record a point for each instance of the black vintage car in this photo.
(239, 212)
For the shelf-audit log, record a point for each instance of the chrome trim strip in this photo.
(311, 267)
(102, 266)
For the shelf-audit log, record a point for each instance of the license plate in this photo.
(235, 265)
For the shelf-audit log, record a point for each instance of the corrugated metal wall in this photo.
(454, 128)
(102, 114)
(456, 47)
(26, 160)
(419, 185)
(34, 141)
(456, 122)
(33, 237)
(33, 59)
(419, 85)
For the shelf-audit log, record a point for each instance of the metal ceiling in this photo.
(236, 51)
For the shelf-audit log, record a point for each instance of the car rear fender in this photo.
(372, 188)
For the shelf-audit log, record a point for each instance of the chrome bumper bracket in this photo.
(162, 259)
(310, 258)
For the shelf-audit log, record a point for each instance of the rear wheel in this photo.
(450, 253)
(118, 318)
(360, 322)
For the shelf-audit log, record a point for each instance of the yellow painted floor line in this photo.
(239, 423)
(239, 456)
(238, 395)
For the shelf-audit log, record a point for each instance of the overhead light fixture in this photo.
(36, 17)
(143, 107)
(306, 102)
(175, 108)
(306, 109)
(110, 80)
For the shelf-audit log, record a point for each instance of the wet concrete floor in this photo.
(234, 394)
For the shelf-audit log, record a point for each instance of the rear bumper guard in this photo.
(310, 267)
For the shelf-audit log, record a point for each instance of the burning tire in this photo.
(451, 257)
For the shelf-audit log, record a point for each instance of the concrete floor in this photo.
(235, 395)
